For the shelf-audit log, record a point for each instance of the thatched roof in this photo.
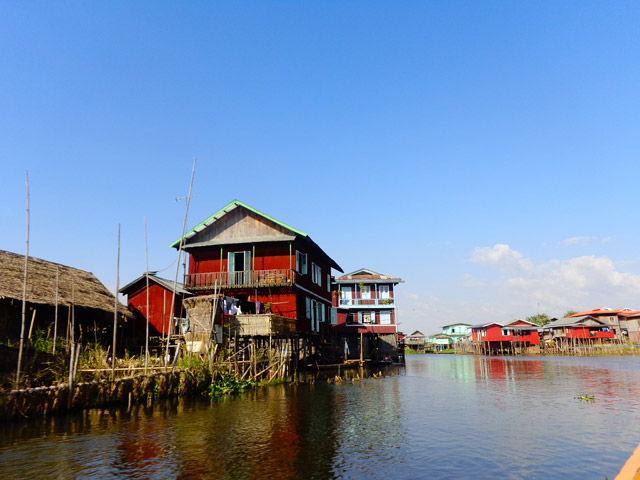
(75, 286)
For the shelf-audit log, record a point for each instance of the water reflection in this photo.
(447, 417)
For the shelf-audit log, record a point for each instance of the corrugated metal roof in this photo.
(168, 284)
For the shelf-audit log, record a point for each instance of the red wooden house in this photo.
(266, 266)
(364, 301)
(160, 302)
(504, 336)
(623, 322)
(585, 327)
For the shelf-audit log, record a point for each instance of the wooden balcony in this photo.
(243, 279)
(261, 325)
(369, 302)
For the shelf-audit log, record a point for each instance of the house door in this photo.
(239, 268)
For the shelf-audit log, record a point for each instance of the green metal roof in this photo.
(223, 211)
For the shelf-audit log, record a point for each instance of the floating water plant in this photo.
(586, 398)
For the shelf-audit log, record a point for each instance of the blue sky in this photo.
(485, 152)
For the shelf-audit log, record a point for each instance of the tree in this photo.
(540, 319)
(569, 313)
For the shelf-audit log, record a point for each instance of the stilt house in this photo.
(78, 296)
(161, 300)
(263, 267)
(505, 337)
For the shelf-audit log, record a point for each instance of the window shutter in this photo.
(232, 261)
(247, 261)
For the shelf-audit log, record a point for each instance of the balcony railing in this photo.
(243, 279)
(371, 302)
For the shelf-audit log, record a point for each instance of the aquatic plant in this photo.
(586, 398)
(228, 383)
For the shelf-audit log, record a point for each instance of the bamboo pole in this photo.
(146, 337)
(181, 244)
(24, 288)
(55, 316)
(71, 357)
(33, 319)
(115, 312)
(72, 311)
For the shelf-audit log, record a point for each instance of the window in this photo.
(346, 295)
(301, 263)
(384, 291)
(385, 318)
(308, 307)
(505, 332)
(316, 274)
(334, 316)
(365, 292)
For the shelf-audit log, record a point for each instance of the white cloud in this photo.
(558, 285)
(578, 240)
(501, 257)
(585, 240)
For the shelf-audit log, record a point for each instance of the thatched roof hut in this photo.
(75, 286)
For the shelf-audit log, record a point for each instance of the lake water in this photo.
(441, 417)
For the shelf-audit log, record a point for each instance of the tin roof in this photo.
(163, 282)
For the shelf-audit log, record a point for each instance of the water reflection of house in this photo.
(515, 336)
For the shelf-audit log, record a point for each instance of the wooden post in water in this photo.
(146, 336)
(115, 312)
(55, 316)
(180, 245)
(24, 289)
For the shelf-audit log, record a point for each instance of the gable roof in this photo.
(163, 282)
(364, 275)
(75, 286)
(602, 311)
(281, 232)
(583, 321)
(508, 324)
(226, 209)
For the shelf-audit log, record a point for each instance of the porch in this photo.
(256, 325)
(242, 279)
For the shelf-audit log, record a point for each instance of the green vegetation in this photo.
(539, 319)
(409, 351)
(569, 313)
(228, 383)
(586, 398)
